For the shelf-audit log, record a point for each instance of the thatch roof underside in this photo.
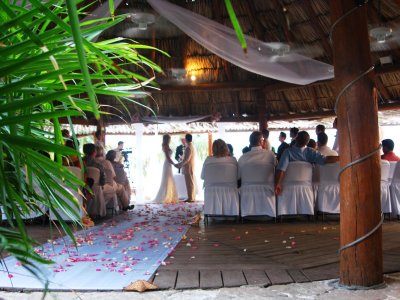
(239, 95)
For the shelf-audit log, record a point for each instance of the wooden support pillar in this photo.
(360, 204)
(139, 129)
(262, 121)
(102, 128)
(210, 142)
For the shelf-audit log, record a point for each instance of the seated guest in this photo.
(319, 129)
(322, 140)
(312, 144)
(110, 183)
(220, 155)
(71, 160)
(120, 174)
(387, 148)
(219, 173)
(257, 153)
(299, 152)
(283, 146)
(89, 160)
(293, 133)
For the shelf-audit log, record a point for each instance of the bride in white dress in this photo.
(167, 193)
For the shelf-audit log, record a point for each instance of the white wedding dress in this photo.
(167, 193)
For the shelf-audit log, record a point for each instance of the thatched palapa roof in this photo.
(239, 95)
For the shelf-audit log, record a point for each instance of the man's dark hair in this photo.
(120, 143)
(265, 133)
(389, 144)
(302, 138)
(65, 133)
(189, 138)
(89, 149)
(255, 138)
(320, 128)
(322, 138)
(294, 131)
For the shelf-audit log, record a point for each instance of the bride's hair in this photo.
(166, 139)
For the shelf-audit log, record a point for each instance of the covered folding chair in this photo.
(395, 191)
(221, 196)
(297, 196)
(77, 196)
(257, 196)
(328, 198)
(385, 190)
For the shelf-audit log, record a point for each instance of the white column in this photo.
(221, 130)
(139, 184)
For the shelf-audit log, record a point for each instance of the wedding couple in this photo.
(167, 194)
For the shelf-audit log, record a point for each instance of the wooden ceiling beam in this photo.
(314, 98)
(316, 25)
(268, 87)
(383, 91)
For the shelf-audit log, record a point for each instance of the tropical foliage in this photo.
(51, 68)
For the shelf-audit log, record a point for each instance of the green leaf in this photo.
(236, 25)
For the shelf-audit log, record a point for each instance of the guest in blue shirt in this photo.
(299, 152)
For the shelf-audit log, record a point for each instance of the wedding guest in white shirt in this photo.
(322, 140)
(257, 154)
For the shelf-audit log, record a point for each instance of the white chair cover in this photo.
(257, 196)
(393, 165)
(395, 190)
(98, 206)
(78, 198)
(297, 192)
(220, 192)
(328, 199)
(385, 187)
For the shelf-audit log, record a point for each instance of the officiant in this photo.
(179, 152)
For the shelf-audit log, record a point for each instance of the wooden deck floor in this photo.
(227, 254)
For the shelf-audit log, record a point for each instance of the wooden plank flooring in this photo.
(228, 254)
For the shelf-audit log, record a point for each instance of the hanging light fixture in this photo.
(143, 19)
(380, 34)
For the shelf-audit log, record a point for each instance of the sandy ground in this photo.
(312, 290)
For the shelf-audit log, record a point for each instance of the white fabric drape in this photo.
(260, 58)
